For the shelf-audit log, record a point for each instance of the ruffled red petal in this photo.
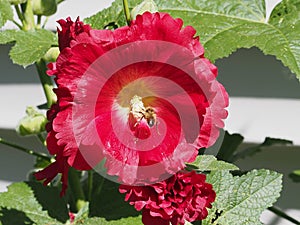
(182, 197)
(69, 31)
(165, 68)
(51, 171)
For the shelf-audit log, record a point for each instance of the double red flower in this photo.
(182, 197)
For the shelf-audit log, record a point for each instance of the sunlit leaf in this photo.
(225, 26)
(241, 200)
(30, 46)
(210, 163)
(6, 12)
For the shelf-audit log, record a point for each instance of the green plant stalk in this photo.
(20, 15)
(76, 189)
(59, 1)
(38, 22)
(90, 184)
(42, 139)
(98, 191)
(46, 82)
(28, 17)
(29, 151)
(282, 214)
(127, 12)
(17, 24)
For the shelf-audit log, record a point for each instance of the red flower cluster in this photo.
(142, 96)
(182, 197)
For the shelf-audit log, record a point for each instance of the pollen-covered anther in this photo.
(141, 118)
(137, 107)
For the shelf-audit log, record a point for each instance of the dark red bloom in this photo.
(142, 96)
(182, 197)
(60, 165)
(69, 31)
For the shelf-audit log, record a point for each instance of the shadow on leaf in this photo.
(49, 199)
(13, 216)
(109, 203)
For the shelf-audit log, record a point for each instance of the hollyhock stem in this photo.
(45, 21)
(90, 184)
(20, 14)
(127, 12)
(38, 22)
(76, 189)
(17, 24)
(46, 82)
(42, 139)
(31, 152)
(98, 191)
(282, 214)
(28, 17)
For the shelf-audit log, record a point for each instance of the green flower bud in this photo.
(16, 2)
(145, 6)
(51, 55)
(33, 123)
(44, 7)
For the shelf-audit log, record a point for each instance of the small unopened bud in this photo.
(16, 2)
(51, 55)
(145, 6)
(44, 7)
(33, 123)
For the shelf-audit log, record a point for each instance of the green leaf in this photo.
(144, 6)
(107, 202)
(6, 12)
(102, 221)
(225, 26)
(222, 182)
(30, 45)
(32, 203)
(286, 18)
(112, 16)
(241, 200)
(253, 150)
(229, 146)
(108, 207)
(8, 36)
(210, 163)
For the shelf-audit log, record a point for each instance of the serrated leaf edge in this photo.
(255, 171)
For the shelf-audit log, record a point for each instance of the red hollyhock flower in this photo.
(142, 96)
(68, 33)
(182, 197)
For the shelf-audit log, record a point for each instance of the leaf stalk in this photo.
(46, 82)
(20, 14)
(28, 17)
(76, 189)
(282, 214)
(127, 12)
(26, 150)
(90, 184)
